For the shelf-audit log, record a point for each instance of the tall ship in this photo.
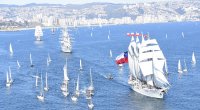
(66, 44)
(38, 33)
(148, 68)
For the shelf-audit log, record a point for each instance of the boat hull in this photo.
(150, 92)
(66, 50)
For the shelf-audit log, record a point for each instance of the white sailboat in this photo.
(90, 104)
(10, 76)
(146, 63)
(183, 35)
(185, 67)
(91, 87)
(18, 64)
(91, 34)
(64, 86)
(179, 67)
(8, 84)
(49, 58)
(77, 92)
(193, 59)
(31, 60)
(74, 96)
(166, 36)
(46, 88)
(38, 33)
(81, 67)
(66, 45)
(41, 96)
(110, 53)
(11, 49)
(108, 37)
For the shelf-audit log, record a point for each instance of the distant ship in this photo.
(147, 66)
(66, 45)
(38, 33)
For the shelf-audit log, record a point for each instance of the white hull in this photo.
(38, 38)
(8, 84)
(144, 90)
(46, 88)
(40, 97)
(65, 93)
(74, 98)
(66, 49)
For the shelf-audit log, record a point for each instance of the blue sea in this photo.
(115, 94)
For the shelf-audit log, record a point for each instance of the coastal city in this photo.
(14, 17)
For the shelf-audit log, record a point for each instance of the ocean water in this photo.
(115, 94)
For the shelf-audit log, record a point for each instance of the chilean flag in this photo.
(122, 58)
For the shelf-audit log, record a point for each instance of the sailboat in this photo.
(41, 96)
(49, 58)
(183, 35)
(31, 60)
(11, 50)
(91, 87)
(10, 76)
(193, 59)
(38, 33)
(166, 36)
(77, 92)
(110, 53)
(185, 67)
(64, 85)
(66, 45)
(18, 64)
(179, 67)
(146, 63)
(46, 88)
(74, 97)
(91, 34)
(108, 37)
(90, 104)
(81, 67)
(8, 84)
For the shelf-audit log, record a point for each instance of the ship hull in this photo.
(144, 90)
(38, 38)
(66, 50)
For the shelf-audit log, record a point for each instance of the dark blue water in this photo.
(113, 94)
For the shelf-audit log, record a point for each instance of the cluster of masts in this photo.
(89, 92)
(184, 69)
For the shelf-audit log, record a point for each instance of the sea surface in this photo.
(116, 94)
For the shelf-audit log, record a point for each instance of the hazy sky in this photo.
(22, 2)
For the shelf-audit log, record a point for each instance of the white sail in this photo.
(147, 66)
(166, 36)
(18, 64)
(11, 50)
(48, 62)
(7, 78)
(193, 59)
(183, 35)
(81, 67)
(91, 87)
(38, 33)
(91, 34)
(10, 75)
(46, 83)
(179, 67)
(41, 96)
(77, 92)
(49, 58)
(185, 67)
(65, 72)
(31, 60)
(108, 37)
(111, 53)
